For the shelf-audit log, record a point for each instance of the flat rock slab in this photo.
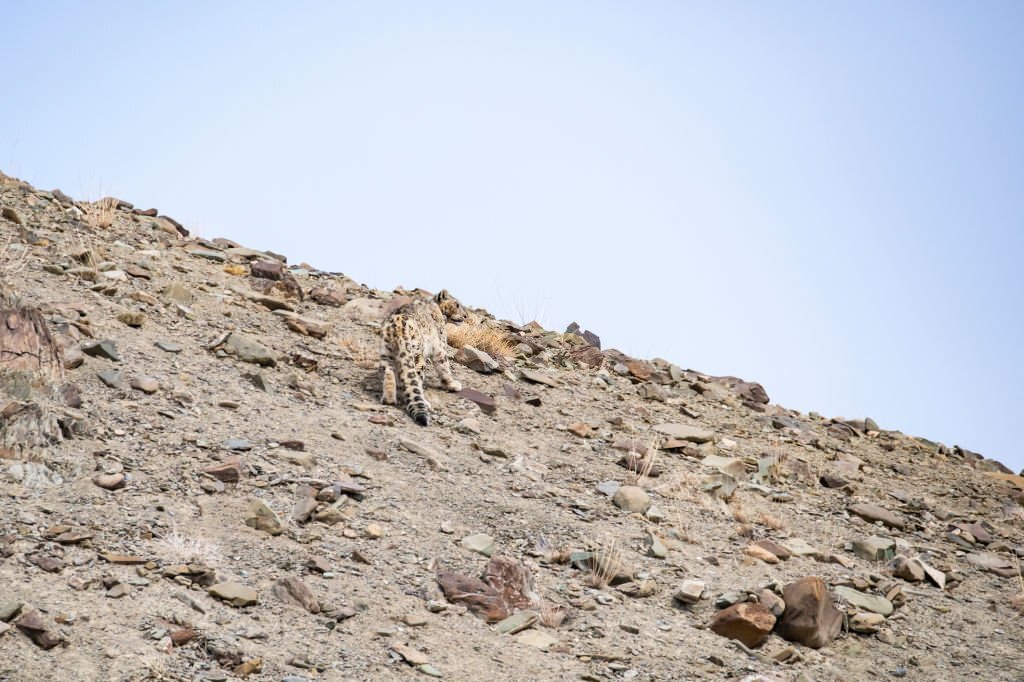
(727, 465)
(518, 622)
(236, 594)
(537, 639)
(686, 432)
(535, 377)
(999, 565)
(873, 513)
(866, 602)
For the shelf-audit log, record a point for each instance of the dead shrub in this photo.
(363, 353)
(552, 615)
(100, 214)
(771, 521)
(483, 337)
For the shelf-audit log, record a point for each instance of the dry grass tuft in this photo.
(745, 530)
(363, 353)
(603, 565)
(100, 214)
(176, 548)
(13, 257)
(777, 470)
(771, 521)
(739, 514)
(552, 615)
(681, 484)
(483, 337)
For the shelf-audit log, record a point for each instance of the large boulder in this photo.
(810, 617)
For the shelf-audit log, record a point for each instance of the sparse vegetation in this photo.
(771, 521)
(552, 615)
(100, 214)
(13, 257)
(176, 548)
(363, 353)
(603, 565)
(481, 336)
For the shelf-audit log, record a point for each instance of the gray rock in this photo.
(872, 513)
(110, 377)
(655, 547)
(481, 543)
(690, 592)
(250, 350)
(632, 498)
(685, 432)
(178, 292)
(234, 593)
(518, 622)
(294, 592)
(102, 349)
(866, 602)
(261, 517)
(146, 384)
(215, 256)
(875, 548)
(476, 360)
(9, 609)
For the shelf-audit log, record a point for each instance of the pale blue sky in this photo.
(824, 197)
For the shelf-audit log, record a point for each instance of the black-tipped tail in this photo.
(421, 418)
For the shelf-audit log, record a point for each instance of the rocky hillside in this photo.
(199, 483)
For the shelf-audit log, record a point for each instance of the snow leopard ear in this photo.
(442, 296)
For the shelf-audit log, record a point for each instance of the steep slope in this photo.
(227, 498)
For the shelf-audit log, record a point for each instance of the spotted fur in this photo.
(411, 334)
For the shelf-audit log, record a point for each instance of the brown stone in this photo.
(294, 592)
(486, 402)
(228, 471)
(580, 429)
(182, 636)
(748, 622)
(872, 513)
(329, 296)
(810, 617)
(512, 580)
(480, 598)
(271, 269)
(775, 548)
(34, 627)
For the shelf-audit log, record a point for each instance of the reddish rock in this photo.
(480, 598)
(182, 636)
(294, 592)
(267, 269)
(775, 548)
(810, 617)
(35, 628)
(513, 581)
(228, 471)
(329, 296)
(486, 402)
(640, 369)
(752, 392)
(872, 513)
(977, 531)
(748, 622)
